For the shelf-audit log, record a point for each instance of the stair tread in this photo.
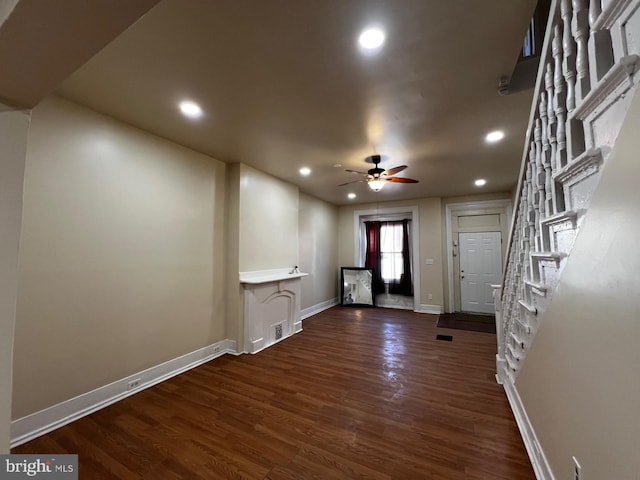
(539, 286)
(579, 164)
(616, 76)
(562, 216)
(550, 255)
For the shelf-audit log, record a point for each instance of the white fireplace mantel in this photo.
(271, 306)
(265, 276)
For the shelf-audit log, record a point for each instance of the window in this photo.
(391, 259)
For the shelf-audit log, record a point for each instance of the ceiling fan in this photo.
(377, 177)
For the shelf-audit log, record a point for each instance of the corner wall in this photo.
(268, 221)
(13, 146)
(318, 251)
(121, 263)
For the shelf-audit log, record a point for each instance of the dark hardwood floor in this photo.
(360, 393)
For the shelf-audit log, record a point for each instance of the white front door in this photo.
(480, 267)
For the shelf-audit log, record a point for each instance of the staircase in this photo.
(588, 73)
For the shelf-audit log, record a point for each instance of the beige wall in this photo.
(430, 213)
(268, 221)
(318, 250)
(580, 383)
(121, 261)
(13, 147)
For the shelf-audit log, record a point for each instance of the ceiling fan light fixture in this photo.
(376, 184)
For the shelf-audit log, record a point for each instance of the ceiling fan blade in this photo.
(354, 181)
(401, 180)
(394, 170)
(355, 171)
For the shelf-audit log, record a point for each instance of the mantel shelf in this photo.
(267, 276)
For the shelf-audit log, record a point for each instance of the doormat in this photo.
(468, 321)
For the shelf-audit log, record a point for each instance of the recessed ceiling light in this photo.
(494, 136)
(371, 38)
(190, 109)
(305, 171)
(480, 182)
(351, 195)
(337, 165)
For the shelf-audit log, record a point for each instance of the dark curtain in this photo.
(373, 258)
(404, 286)
(373, 255)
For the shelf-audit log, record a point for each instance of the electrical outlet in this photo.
(430, 296)
(577, 469)
(133, 384)
(216, 349)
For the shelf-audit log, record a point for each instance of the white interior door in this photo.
(480, 267)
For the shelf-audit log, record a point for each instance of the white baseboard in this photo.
(433, 309)
(537, 457)
(27, 428)
(319, 307)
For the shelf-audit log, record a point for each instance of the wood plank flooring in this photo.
(360, 393)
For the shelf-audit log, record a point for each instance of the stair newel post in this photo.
(580, 29)
(600, 48)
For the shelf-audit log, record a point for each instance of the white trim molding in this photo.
(537, 457)
(319, 307)
(456, 207)
(432, 309)
(39, 423)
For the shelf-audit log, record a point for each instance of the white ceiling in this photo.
(283, 85)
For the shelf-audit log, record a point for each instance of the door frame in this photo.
(458, 207)
(358, 250)
(461, 254)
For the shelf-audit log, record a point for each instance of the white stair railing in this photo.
(588, 72)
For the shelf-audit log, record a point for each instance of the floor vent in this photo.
(278, 331)
(445, 338)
